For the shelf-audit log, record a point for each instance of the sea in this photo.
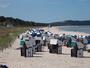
(85, 29)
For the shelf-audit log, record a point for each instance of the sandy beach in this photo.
(11, 56)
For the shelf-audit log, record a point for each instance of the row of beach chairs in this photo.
(33, 40)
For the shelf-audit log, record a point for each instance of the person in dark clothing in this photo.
(74, 53)
(76, 47)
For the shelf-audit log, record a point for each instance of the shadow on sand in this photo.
(18, 48)
(37, 56)
(86, 56)
(65, 54)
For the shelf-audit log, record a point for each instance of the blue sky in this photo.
(46, 10)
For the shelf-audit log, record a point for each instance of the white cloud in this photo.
(5, 5)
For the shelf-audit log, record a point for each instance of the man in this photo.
(29, 45)
(22, 47)
(60, 43)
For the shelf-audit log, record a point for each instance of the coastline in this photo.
(56, 30)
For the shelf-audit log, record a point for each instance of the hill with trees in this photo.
(71, 22)
(15, 22)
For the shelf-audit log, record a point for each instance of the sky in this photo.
(46, 11)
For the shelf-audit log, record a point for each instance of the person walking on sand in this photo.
(22, 46)
(29, 45)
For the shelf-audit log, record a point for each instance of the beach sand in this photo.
(11, 56)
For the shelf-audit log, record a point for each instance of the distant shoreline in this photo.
(84, 29)
(57, 30)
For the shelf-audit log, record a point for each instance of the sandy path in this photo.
(11, 57)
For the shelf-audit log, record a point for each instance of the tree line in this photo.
(4, 21)
(71, 22)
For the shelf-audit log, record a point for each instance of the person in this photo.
(60, 43)
(29, 46)
(63, 37)
(22, 46)
(69, 41)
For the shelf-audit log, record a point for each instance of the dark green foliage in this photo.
(4, 21)
(70, 22)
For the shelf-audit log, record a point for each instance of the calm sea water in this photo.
(85, 29)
